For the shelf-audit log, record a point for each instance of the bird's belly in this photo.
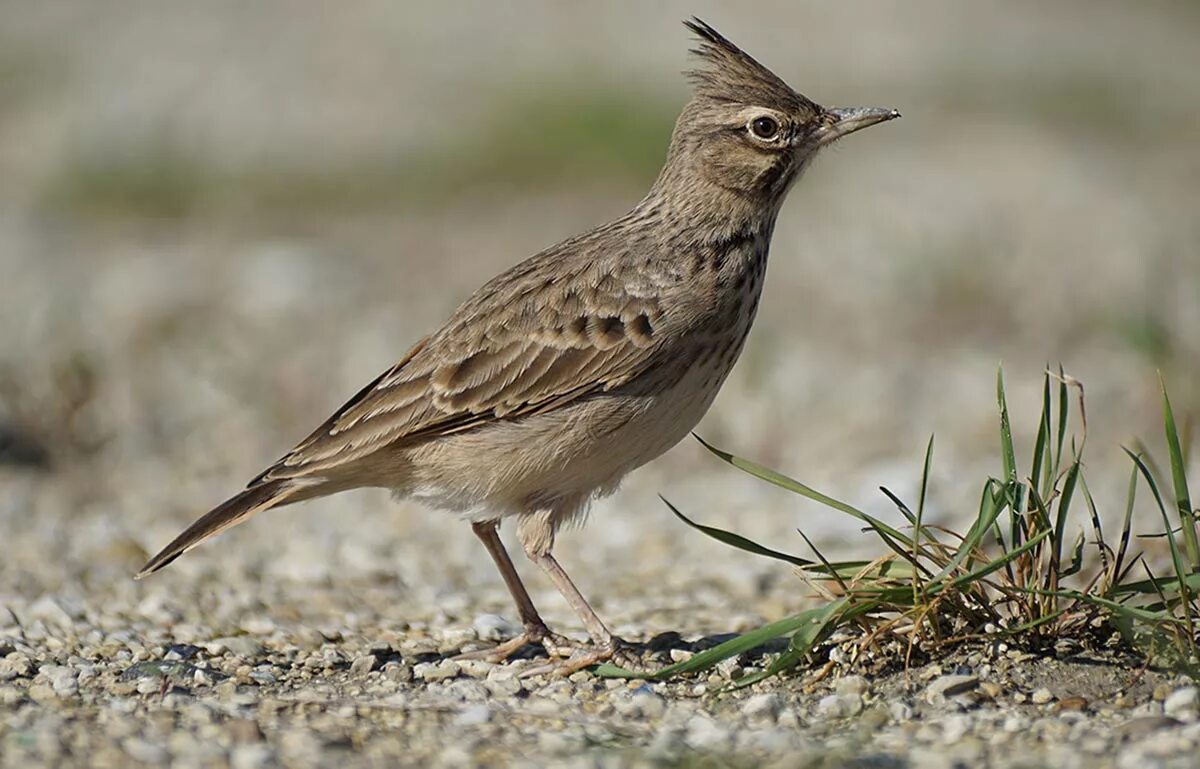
(560, 460)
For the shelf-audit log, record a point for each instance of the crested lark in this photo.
(585, 361)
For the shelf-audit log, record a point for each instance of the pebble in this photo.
(251, 756)
(363, 665)
(1071, 704)
(144, 751)
(835, 706)
(640, 703)
(15, 665)
(851, 685)
(730, 668)
(398, 672)
(705, 734)
(493, 627)
(1180, 703)
(1143, 726)
(239, 646)
(1041, 696)
(942, 688)
(436, 671)
(473, 715)
(766, 705)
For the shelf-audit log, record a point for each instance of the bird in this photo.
(587, 360)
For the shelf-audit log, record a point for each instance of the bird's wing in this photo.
(529, 341)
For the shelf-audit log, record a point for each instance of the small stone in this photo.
(681, 655)
(855, 685)
(955, 727)
(243, 730)
(476, 668)
(1071, 705)
(363, 665)
(642, 702)
(42, 693)
(765, 706)
(145, 752)
(503, 685)
(900, 712)
(239, 646)
(1180, 703)
(144, 686)
(991, 689)
(251, 756)
(705, 734)
(15, 665)
(834, 706)
(730, 668)
(474, 715)
(493, 627)
(945, 687)
(436, 671)
(1143, 726)
(63, 681)
(398, 672)
(1041, 696)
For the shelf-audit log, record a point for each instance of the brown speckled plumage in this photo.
(585, 361)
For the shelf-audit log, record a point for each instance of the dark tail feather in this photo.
(229, 513)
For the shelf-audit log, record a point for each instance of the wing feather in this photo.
(535, 347)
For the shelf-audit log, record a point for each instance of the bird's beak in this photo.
(846, 120)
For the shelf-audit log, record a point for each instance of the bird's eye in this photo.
(764, 127)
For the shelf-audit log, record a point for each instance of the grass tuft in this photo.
(1017, 573)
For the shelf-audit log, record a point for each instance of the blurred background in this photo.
(219, 219)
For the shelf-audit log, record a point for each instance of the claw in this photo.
(581, 658)
(554, 644)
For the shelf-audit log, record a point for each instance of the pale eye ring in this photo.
(764, 127)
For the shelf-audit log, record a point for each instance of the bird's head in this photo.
(745, 130)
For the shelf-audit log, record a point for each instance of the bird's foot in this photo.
(554, 644)
(616, 651)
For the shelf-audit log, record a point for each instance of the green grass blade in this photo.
(791, 484)
(1076, 564)
(998, 563)
(1155, 586)
(989, 510)
(899, 503)
(1133, 612)
(1063, 414)
(803, 641)
(738, 541)
(1008, 456)
(1177, 562)
(1183, 502)
(1042, 455)
(731, 648)
(1118, 572)
(920, 514)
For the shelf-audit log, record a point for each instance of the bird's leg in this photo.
(535, 629)
(595, 626)
(607, 646)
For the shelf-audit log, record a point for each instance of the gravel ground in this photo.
(110, 686)
(1036, 203)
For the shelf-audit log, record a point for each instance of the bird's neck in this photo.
(706, 212)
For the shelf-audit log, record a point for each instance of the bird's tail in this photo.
(231, 512)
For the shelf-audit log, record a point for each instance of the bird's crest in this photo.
(729, 74)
